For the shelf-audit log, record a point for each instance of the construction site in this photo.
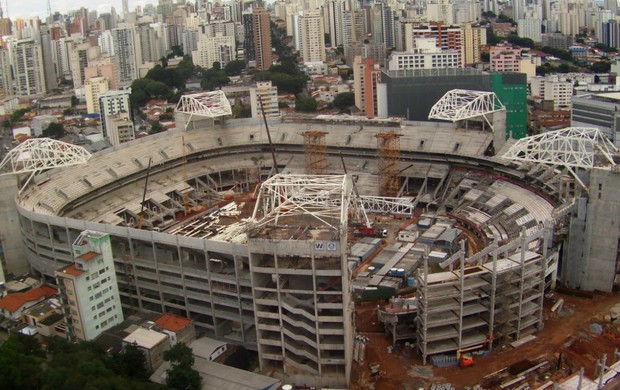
(352, 252)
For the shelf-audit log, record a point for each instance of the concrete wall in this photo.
(592, 250)
(14, 256)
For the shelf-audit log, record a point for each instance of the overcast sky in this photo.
(31, 8)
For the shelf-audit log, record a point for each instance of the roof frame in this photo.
(212, 104)
(571, 147)
(462, 104)
(38, 154)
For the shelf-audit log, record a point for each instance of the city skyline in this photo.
(38, 8)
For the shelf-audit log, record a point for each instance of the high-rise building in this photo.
(112, 103)
(473, 38)
(78, 61)
(220, 48)
(267, 94)
(89, 289)
(261, 35)
(365, 79)
(44, 39)
(426, 55)
(102, 68)
(119, 128)
(530, 26)
(5, 26)
(312, 36)
(125, 7)
(248, 44)
(127, 54)
(6, 81)
(92, 89)
(28, 67)
(149, 44)
(448, 37)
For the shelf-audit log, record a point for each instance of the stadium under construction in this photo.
(253, 232)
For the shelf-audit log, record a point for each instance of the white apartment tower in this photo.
(28, 68)
(6, 81)
(312, 36)
(426, 55)
(113, 103)
(88, 287)
(530, 26)
(127, 54)
(268, 94)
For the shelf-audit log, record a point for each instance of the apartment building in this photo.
(553, 88)
(312, 36)
(267, 94)
(113, 103)
(426, 55)
(88, 287)
(366, 76)
(261, 35)
(28, 67)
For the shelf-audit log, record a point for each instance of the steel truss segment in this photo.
(211, 104)
(461, 104)
(377, 204)
(573, 147)
(37, 154)
(324, 197)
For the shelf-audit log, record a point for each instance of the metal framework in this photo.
(325, 198)
(404, 206)
(211, 104)
(461, 104)
(315, 148)
(388, 154)
(38, 154)
(572, 147)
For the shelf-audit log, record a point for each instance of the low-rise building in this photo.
(179, 329)
(14, 305)
(152, 343)
(552, 88)
(41, 122)
(426, 55)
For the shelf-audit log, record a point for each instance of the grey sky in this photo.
(31, 8)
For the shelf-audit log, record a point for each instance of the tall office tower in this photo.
(127, 54)
(473, 38)
(89, 289)
(94, 87)
(6, 82)
(261, 30)
(312, 36)
(612, 5)
(162, 36)
(78, 61)
(149, 44)
(112, 104)
(51, 81)
(28, 67)
(248, 44)
(125, 7)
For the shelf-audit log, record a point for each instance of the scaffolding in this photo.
(315, 148)
(485, 303)
(388, 156)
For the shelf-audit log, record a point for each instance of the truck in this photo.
(370, 231)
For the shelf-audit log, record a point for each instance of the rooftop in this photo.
(88, 256)
(71, 270)
(145, 338)
(172, 322)
(12, 302)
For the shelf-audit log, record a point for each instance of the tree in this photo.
(156, 127)
(344, 100)
(305, 104)
(54, 130)
(234, 68)
(600, 67)
(18, 368)
(181, 375)
(74, 101)
(131, 363)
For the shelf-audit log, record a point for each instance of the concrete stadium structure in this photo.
(280, 284)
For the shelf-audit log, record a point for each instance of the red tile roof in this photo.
(88, 256)
(71, 270)
(172, 322)
(12, 302)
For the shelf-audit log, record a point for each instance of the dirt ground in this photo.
(570, 334)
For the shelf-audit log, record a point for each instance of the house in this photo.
(14, 305)
(152, 343)
(179, 329)
(208, 349)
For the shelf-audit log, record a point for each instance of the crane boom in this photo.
(358, 198)
(146, 183)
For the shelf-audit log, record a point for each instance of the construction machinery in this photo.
(146, 183)
(365, 228)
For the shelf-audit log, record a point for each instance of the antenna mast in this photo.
(1, 14)
(49, 9)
